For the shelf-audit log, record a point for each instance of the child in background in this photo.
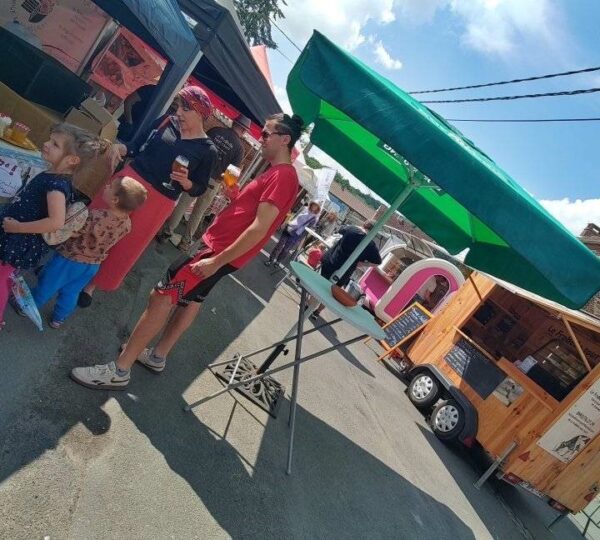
(314, 255)
(41, 205)
(77, 260)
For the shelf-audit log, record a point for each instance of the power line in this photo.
(285, 35)
(550, 76)
(286, 57)
(524, 120)
(523, 96)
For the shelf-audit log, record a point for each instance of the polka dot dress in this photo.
(30, 204)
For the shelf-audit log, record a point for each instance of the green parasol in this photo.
(415, 160)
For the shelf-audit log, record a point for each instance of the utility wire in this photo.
(524, 120)
(286, 57)
(523, 96)
(550, 76)
(285, 35)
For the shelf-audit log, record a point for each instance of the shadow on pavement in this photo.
(329, 333)
(336, 487)
(531, 512)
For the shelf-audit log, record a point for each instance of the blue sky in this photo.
(424, 44)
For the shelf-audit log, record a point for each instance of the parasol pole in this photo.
(403, 195)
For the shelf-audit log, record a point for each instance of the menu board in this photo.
(405, 324)
(474, 367)
(64, 29)
(576, 428)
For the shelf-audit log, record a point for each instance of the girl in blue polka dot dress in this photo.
(41, 205)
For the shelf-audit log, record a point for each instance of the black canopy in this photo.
(159, 23)
(227, 66)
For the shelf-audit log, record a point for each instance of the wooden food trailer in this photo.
(520, 375)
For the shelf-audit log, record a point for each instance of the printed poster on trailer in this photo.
(64, 29)
(576, 428)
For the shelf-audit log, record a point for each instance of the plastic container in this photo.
(5, 121)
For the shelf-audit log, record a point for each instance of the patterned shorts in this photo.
(183, 286)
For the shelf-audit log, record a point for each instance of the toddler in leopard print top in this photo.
(78, 259)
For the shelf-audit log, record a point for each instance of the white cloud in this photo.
(383, 57)
(574, 215)
(342, 21)
(495, 26)
(420, 11)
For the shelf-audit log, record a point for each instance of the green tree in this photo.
(256, 17)
(312, 162)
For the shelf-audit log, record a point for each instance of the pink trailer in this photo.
(387, 298)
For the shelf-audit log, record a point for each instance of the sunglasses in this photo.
(264, 134)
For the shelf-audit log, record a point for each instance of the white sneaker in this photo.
(101, 377)
(148, 360)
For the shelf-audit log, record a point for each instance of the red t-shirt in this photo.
(314, 256)
(278, 185)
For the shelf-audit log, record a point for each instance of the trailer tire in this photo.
(424, 390)
(447, 420)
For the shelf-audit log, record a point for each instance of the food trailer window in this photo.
(558, 368)
(495, 330)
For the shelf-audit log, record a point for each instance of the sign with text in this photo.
(16, 168)
(576, 428)
(64, 29)
(406, 324)
(474, 367)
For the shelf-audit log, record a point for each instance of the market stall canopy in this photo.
(159, 23)
(462, 199)
(227, 66)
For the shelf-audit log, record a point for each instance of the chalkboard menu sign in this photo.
(405, 324)
(476, 369)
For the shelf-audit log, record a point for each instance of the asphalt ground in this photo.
(82, 464)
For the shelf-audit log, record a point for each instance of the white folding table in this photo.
(258, 380)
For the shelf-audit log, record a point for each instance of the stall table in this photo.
(243, 376)
(17, 166)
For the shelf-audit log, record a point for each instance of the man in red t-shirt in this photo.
(236, 236)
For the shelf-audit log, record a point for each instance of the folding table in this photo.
(240, 374)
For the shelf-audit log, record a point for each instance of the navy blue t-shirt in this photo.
(30, 204)
(339, 253)
(155, 160)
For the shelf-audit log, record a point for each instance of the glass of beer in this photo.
(180, 165)
(231, 175)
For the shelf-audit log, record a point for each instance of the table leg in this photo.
(293, 402)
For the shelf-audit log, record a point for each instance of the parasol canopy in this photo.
(449, 188)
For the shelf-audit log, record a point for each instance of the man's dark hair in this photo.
(289, 125)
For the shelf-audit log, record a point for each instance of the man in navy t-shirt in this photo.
(335, 258)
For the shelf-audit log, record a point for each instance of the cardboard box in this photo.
(94, 118)
(39, 119)
(91, 116)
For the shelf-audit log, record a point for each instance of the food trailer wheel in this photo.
(424, 390)
(447, 420)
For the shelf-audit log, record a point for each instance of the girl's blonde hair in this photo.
(81, 143)
(94, 159)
